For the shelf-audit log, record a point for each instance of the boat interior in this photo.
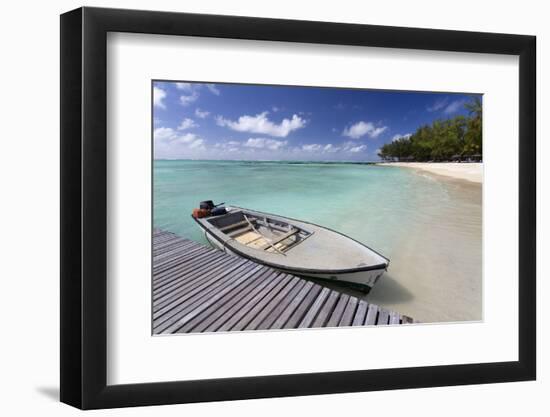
(260, 232)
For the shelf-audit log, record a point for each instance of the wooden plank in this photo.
(221, 298)
(326, 311)
(361, 313)
(383, 317)
(281, 306)
(181, 250)
(372, 315)
(349, 312)
(271, 310)
(247, 310)
(183, 262)
(166, 241)
(219, 317)
(253, 312)
(165, 264)
(169, 250)
(206, 282)
(164, 244)
(303, 308)
(172, 253)
(201, 283)
(182, 285)
(160, 246)
(161, 240)
(336, 315)
(308, 319)
(196, 309)
(292, 306)
(190, 258)
(176, 275)
(165, 236)
(394, 318)
(184, 265)
(239, 231)
(170, 322)
(279, 239)
(232, 226)
(160, 232)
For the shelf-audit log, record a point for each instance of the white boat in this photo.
(293, 246)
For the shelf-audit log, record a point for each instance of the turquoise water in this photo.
(424, 225)
(354, 199)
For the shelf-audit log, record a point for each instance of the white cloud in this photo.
(347, 147)
(264, 143)
(353, 147)
(171, 143)
(400, 136)
(361, 129)
(190, 87)
(438, 105)
(197, 144)
(330, 148)
(229, 146)
(453, 107)
(161, 133)
(213, 89)
(187, 138)
(185, 100)
(359, 148)
(320, 148)
(167, 135)
(187, 124)
(158, 96)
(446, 106)
(185, 86)
(201, 114)
(261, 124)
(313, 147)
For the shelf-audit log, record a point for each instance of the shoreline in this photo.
(466, 171)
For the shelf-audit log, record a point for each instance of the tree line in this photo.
(458, 138)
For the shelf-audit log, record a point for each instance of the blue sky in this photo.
(255, 122)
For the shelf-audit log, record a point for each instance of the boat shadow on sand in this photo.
(386, 290)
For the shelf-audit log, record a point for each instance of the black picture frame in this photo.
(84, 207)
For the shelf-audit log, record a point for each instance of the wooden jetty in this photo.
(200, 289)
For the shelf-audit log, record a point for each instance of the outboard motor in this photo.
(208, 208)
(218, 211)
(207, 205)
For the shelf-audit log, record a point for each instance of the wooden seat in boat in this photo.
(291, 232)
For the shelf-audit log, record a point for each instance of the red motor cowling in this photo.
(200, 213)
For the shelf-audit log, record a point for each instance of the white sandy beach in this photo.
(463, 171)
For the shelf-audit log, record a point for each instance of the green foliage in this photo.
(443, 140)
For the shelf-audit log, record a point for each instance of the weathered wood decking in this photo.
(199, 289)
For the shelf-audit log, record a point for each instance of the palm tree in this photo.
(474, 107)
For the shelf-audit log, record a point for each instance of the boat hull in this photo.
(363, 280)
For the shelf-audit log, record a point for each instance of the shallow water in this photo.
(429, 227)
